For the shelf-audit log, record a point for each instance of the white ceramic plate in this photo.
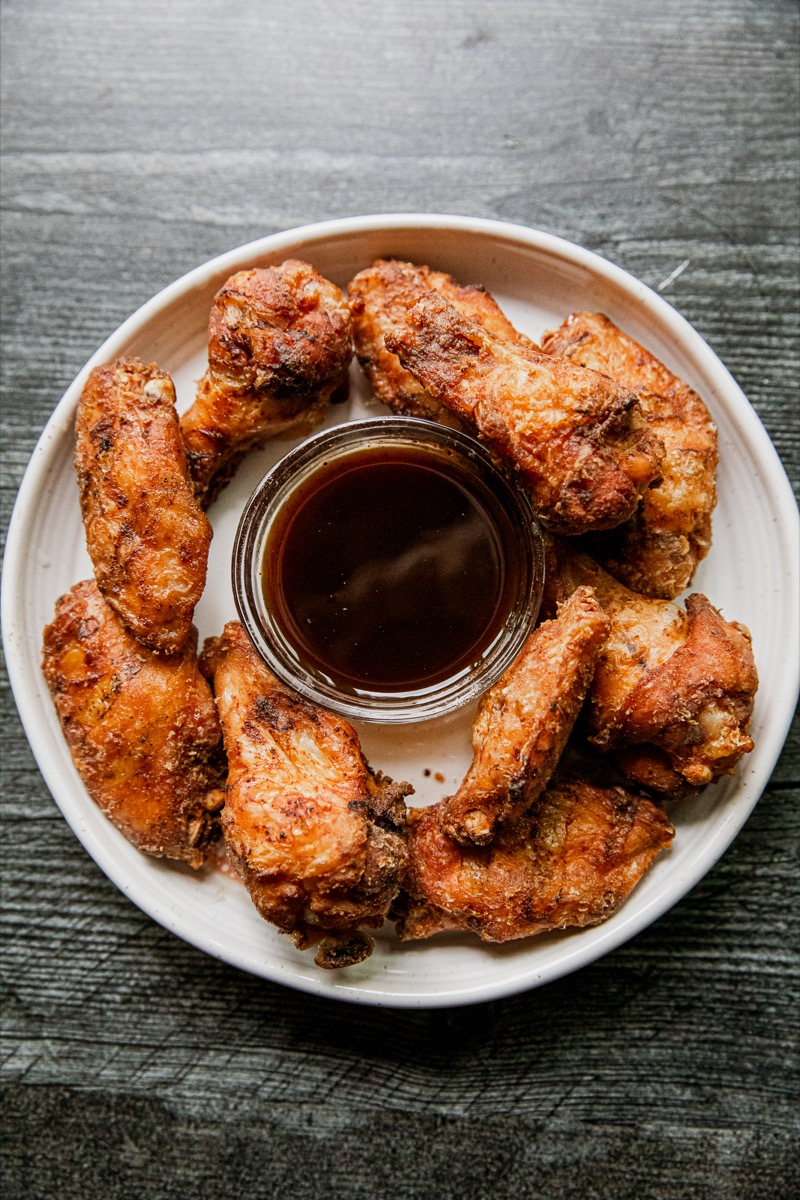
(751, 574)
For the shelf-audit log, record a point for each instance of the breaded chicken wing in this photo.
(142, 728)
(523, 722)
(317, 837)
(579, 442)
(280, 343)
(146, 535)
(657, 550)
(585, 848)
(673, 691)
(378, 298)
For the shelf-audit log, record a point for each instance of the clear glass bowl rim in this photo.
(374, 706)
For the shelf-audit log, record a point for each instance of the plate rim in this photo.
(606, 937)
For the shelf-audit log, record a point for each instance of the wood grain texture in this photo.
(139, 140)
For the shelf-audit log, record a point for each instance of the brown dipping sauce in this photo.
(391, 568)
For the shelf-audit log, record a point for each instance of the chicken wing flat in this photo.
(523, 722)
(584, 850)
(673, 690)
(146, 534)
(280, 343)
(578, 441)
(317, 837)
(380, 296)
(657, 550)
(142, 728)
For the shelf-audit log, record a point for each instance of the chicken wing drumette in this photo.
(146, 534)
(673, 690)
(578, 441)
(142, 728)
(523, 722)
(378, 298)
(279, 348)
(317, 837)
(657, 550)
(583, 850)
(563, 855)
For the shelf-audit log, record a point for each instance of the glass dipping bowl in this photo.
(456, 455)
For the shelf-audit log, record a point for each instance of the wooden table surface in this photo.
(142, 139)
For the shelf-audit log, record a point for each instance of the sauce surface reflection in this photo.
(390, 568)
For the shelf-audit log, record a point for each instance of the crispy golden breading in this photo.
(657, 551)
(584, 849)
(523, 722)
(280, 343)
(579, 442)
(673, 691)
(316, 836)
(378, 298)
(146, 535)
(142, 728)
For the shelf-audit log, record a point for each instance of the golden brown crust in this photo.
(279, 348)
(673, 691)
(146, 535)
(523, 722)
(584, 850)
(578, 441)
(142, 728)
(378, 298)
(316, 836)
(657, 551)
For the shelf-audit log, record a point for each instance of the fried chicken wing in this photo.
(142, 728)
(146, 535)
(673, 690)
(279, 348)
(585, 848)
(578, 441)
(317, 837)
(656, 551)
(379, 297)
(523, 722)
